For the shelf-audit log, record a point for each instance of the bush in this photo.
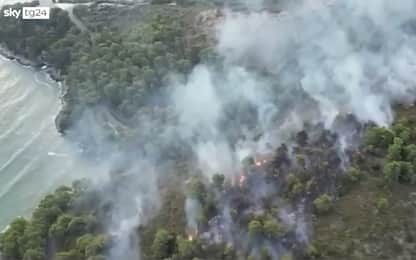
(187, 248)
(9, 240)
(410, 153)
(255, 228)
(353, 175)
(36, 254)
(313, 252)
(379, 137)
(396, 150)
(287, 257)
(272, 228)
(399, 172)
(70, 255)
(163, 245)
(400, 130)
(323, 204)
(382, 204)
(392, 171)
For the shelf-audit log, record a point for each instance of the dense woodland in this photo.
(364, 212)
(121, 64)
(306, 200)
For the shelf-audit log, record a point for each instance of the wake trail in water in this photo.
(17, 101)
(20, 151)
(18, 123)
(10, 83)
(22, 173)
(34, 158)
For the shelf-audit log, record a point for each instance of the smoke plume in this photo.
(311, 63)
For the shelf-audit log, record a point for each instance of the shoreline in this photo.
(41, 67)
(52, 73)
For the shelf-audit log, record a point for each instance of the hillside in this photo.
(321, 213)
(228, 133)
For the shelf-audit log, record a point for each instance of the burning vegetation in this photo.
(181, 113)
(266, 209)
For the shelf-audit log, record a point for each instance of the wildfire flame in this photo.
(261, 159)
(260, 162)
(192, 234)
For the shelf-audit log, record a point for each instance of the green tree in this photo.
(272, 228)
(396, 150)
(69, 255)
(392, 171)
(187, 249)
(399, 172)
(81, 225)
(91, 245)
(402, 131)
(255, 228)
(97, 257)
(410, 152)
(287, 257)
(323, 204)
(354, 175)
(163, 245)
(59, 228)
(264, 254)
(379, 137)
(35, 254)
(9, 240)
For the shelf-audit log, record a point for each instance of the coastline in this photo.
(52, 73)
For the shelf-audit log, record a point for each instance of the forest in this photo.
(113, 64)
(68, 224)
(307, 199)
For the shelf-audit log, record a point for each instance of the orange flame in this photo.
(192, 233)
(262, 159)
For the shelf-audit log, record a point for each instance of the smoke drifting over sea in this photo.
(315, 61)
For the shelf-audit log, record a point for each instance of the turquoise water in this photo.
(34, 158)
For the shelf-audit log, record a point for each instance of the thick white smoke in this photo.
(315, 61)
(347, 56)
(311, 63)
(350, 56)
(135, 198)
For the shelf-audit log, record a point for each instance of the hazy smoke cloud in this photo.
(359, 63)
(314, 55)
(135, 198)
(312, 63)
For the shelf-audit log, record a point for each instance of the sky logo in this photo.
(28, 13)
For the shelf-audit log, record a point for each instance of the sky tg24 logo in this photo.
(28, 13)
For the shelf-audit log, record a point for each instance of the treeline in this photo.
(119, 66)
(64, 226)
(246, 216)
(373, 218)
(363, 212)
(370, 206)
(123, 69)
(399, 148)
(35, 40)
